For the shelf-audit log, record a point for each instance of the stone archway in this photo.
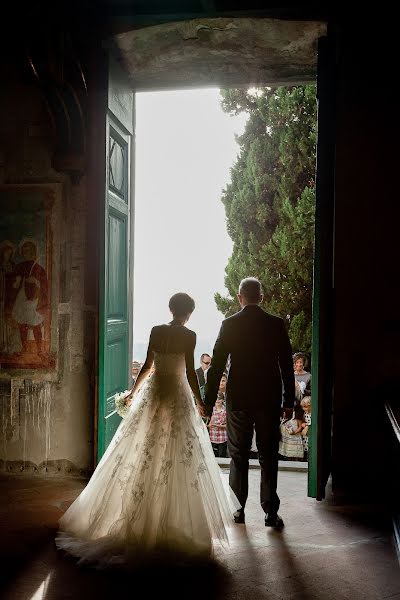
(226, 52)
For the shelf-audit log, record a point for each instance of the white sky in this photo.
(185, 147)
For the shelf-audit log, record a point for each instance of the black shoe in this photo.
(274, 521)
(238, 516)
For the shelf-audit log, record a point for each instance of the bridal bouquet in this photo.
(120, 407)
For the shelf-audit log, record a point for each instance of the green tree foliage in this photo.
(269, 203)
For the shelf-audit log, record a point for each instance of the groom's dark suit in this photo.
(260, 362)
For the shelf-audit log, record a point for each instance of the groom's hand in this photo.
(208, 410)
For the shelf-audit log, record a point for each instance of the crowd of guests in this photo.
(293, 444)
(294, 428)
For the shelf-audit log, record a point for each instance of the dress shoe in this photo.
(274, 521)
(238, 516)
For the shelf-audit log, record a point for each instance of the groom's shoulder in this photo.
(260, 313)
(232, 318)
(266, 317)
(274, 320)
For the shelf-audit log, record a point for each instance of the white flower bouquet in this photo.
(120, 405)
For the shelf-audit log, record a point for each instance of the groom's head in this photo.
(250, 292)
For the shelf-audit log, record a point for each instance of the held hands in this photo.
(201, 408)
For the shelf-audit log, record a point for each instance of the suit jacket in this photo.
(200, 376)
(260, 354)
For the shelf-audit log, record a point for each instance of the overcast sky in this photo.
(185, 146)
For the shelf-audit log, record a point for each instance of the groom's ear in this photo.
(239, 297)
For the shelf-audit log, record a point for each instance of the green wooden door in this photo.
(319, 461)
(116, 282)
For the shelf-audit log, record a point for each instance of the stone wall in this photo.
(47, 414)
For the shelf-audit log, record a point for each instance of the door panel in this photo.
(115, 321)
(319, 459)
(117, 267)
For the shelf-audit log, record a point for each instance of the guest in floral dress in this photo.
(306, 406)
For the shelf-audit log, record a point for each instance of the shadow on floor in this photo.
(61, 578)
(326, 550)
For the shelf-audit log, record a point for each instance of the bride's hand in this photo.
(201, 408)
(129, 399)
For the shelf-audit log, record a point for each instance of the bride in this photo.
(158, 486)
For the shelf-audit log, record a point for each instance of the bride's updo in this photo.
(181, 304)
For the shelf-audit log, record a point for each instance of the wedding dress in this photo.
(158, 485)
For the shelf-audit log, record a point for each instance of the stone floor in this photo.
(325, 551)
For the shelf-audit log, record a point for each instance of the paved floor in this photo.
(324, 551)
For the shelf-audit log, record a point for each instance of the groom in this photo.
(260, 362)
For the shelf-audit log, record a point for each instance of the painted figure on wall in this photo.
(31, 307)
(7, 251)
(26, 277)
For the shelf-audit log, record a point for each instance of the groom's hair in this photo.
(250, 288)
(181, 304)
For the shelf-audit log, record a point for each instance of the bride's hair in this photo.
(181, 304)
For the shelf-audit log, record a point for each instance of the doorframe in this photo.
(322, 283)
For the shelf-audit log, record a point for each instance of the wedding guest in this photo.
(291, 442)
(306, 406)
(301, 376)
(205, 362)
(205, 418)
(217, 427)
(222, 385)
(136, 366)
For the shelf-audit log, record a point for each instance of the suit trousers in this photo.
(240, 429)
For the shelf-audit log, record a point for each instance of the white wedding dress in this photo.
(158, 485)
